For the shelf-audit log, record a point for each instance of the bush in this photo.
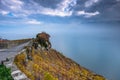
(48, 76)
(5, 73)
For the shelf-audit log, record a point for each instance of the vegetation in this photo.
(5, 73)
(48, 76)
(51, 65)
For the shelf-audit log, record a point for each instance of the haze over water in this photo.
(97, 49)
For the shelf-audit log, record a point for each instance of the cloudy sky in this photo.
(22, 15)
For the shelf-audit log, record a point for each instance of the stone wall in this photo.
(12, 43)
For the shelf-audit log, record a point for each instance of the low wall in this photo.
(12, 43)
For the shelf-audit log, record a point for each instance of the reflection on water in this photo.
(100, 54)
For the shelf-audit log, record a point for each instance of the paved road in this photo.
(11, 52)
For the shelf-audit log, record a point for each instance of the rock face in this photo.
(52, 65)
(42, 39)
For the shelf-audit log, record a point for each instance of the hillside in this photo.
(51, 64)
(48, 64)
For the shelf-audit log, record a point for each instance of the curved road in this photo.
(6, 53)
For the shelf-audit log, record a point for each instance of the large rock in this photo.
(42, 39)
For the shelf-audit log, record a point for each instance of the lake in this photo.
(97, 50)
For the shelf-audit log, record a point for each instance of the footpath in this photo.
(15, 72)
(7, 59)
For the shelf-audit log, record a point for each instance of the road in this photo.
(11, 52)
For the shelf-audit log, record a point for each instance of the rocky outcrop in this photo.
(42, 40)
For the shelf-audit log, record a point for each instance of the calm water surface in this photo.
(98, 51)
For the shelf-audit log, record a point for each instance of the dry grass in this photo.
(51, 65)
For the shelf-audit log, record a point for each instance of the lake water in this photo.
(98, 51)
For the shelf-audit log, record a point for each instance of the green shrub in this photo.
(5, 73)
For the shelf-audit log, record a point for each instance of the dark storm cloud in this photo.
(48, 3)
(87, 9)
(112, 11)
(109, 10)
(52, 7)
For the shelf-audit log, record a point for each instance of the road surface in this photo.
(6, 53)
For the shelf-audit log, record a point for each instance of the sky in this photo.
(25, 18)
